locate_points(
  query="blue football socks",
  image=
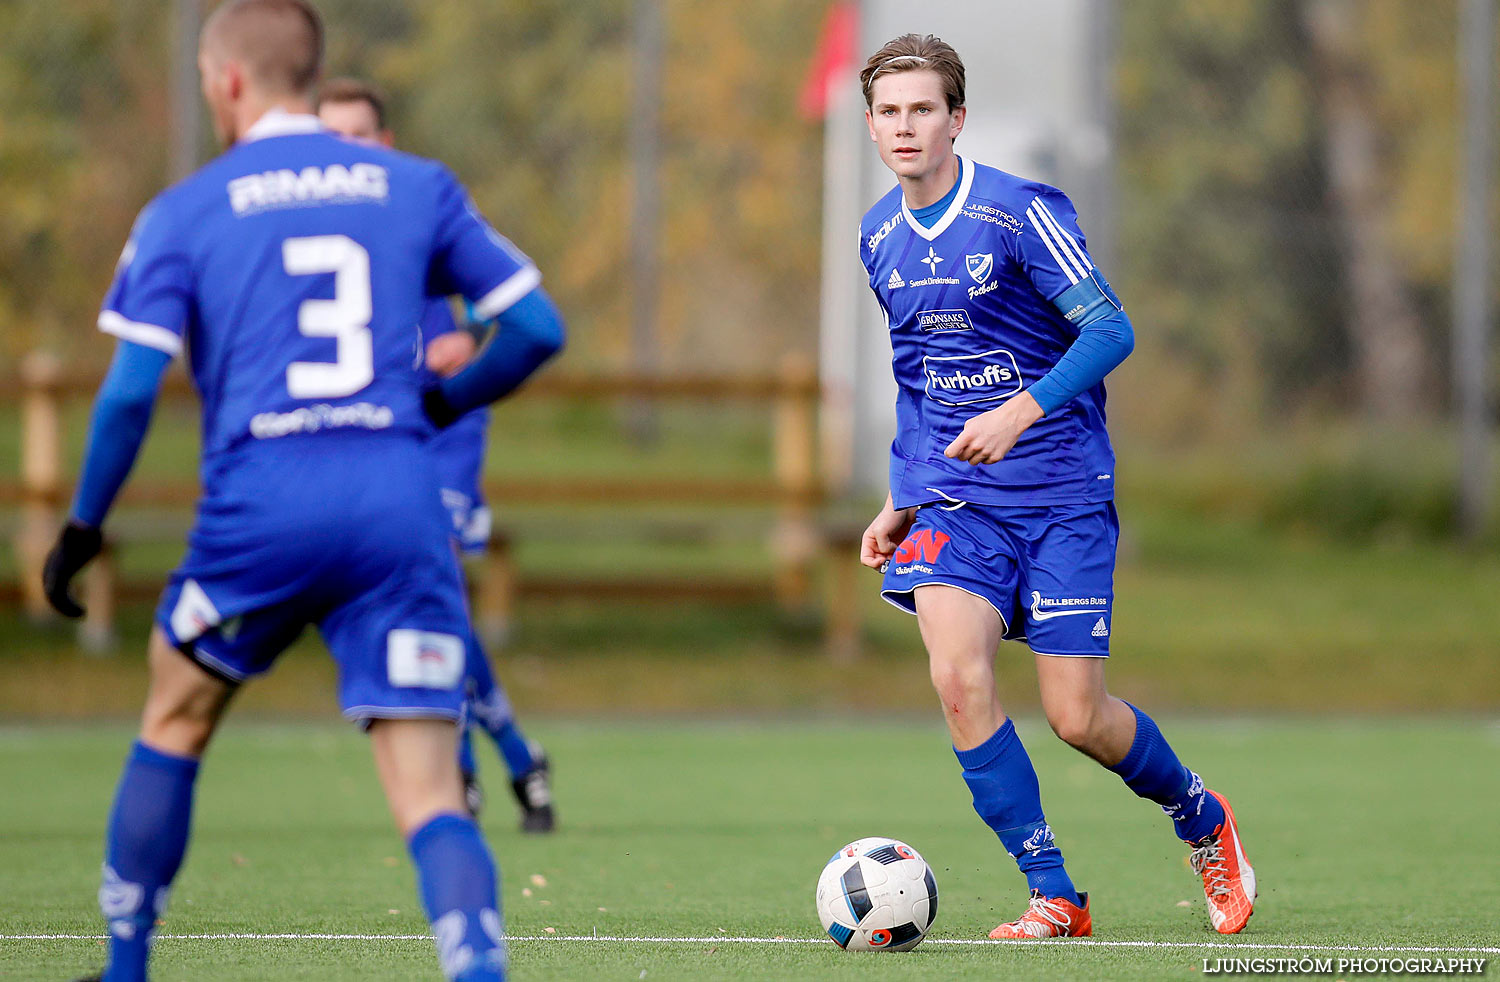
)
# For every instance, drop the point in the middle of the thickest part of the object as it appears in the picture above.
(146, 840)
(456, 877)
(489, 708)
(518, 751)
(1008, 798)
(1151, 769)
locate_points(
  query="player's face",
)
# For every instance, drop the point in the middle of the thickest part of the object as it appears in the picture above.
(911, 124)
(354, 119)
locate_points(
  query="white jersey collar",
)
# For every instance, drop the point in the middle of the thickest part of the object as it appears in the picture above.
(965, 181)
(279, 122)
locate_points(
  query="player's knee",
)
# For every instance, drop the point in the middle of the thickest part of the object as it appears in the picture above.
(1076, 724)
(181, 722)
(960, 681)
(184, 703)
(185, 734)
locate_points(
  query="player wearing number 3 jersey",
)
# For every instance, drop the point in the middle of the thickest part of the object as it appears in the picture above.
(291, 273)
(1000, 523)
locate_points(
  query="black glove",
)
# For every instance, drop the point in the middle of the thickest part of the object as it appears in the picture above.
(76, 545)
(436, 408)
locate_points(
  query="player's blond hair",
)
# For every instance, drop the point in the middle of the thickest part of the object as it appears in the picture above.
(913, 53)
(279, 42)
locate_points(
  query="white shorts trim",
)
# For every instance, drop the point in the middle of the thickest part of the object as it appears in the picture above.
(216, 664)
(886, 596)
(363, 716)
(401, 712)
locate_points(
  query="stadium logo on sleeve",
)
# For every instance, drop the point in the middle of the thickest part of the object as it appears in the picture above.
(964, 380)
(880, 233)
(944, 321)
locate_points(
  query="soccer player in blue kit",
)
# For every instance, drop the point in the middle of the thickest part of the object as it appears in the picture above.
(292, 271)
(357, 110)
(1000, 524)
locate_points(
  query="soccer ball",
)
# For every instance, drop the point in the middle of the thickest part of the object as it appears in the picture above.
(877, 895)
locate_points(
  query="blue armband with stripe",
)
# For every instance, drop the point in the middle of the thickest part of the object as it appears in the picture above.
(1105, 339)
(1088, 300)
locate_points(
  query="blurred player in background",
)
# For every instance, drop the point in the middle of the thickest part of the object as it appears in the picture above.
(1000, 524)
(293, 270)
(357, 110)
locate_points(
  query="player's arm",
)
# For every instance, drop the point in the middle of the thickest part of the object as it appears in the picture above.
(889, 527)
(450, 350)
(471, 259)
(121, 416)
(529, 332)
(885, 533)
(446, 349)
(475, 326)
(1052, 252)
(147, 309)
(1105, 339)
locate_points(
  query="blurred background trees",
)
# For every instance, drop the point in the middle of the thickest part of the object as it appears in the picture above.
(1285, 168)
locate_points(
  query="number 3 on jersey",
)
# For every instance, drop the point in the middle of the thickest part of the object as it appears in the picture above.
(345, 318)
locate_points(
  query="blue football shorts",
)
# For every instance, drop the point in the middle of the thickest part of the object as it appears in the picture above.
(342, 531)
(1047, 571)
(458, 454)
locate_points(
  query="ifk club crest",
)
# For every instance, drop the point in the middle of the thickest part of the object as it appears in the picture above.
(980, 266)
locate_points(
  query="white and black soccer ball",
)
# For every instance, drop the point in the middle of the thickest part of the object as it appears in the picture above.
(877, 895)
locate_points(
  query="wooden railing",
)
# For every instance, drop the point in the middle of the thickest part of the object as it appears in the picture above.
(800, 539)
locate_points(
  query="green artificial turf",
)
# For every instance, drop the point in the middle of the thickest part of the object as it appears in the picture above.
(1365, 833)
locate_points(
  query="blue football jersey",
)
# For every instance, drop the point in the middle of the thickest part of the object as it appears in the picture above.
(294, 270)
(969, 304)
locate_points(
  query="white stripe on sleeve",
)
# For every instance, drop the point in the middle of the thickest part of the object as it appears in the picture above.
(504, 296)
(1041, 230)
(1069, 244)
(150, 335)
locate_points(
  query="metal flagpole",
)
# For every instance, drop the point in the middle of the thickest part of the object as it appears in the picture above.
(186, 116)
(645, 208)
(1472, 266)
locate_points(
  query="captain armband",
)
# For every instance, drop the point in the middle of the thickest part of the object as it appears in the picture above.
(1088, 300)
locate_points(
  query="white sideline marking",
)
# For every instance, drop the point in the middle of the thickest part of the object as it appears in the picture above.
(734, 939)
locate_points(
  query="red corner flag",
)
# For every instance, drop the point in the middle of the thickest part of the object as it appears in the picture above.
(834, 56)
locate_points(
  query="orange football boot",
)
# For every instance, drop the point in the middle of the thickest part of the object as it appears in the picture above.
(1228, 880)
(1049, 917)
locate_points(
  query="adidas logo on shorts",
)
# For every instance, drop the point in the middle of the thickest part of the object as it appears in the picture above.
(1100, 629)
